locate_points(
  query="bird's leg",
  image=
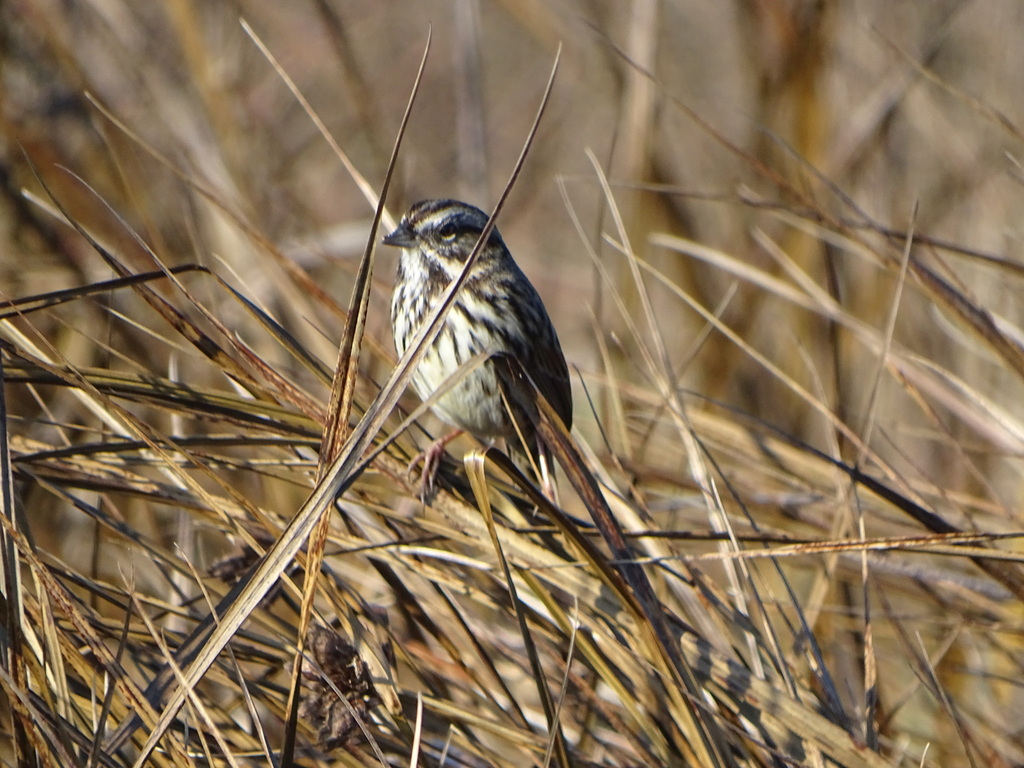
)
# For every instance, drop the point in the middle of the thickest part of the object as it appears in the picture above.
(431, 459)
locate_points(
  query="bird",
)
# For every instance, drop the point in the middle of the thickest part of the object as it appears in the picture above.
(497, 313)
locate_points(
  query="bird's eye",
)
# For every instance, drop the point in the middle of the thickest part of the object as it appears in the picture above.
(447, 232)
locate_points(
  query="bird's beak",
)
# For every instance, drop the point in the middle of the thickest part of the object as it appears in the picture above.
(403, 237)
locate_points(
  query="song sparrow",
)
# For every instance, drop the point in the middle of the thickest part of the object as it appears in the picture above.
(497, 312)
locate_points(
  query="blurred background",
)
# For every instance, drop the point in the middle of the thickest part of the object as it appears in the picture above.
(765, 164)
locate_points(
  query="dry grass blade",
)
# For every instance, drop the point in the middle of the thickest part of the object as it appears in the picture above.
(792, 536)
(12, 642)
(474, 463)
(780, 716)
(210, 195)
(336, 423)
(364, 186)
(976, 317)
(199, 651)
(246, 367)
(140, 707)
(702, 733)
(343, 388)
(1011, 577)
(195, 702)
(870, 662)
(41, 739)
(28, 304)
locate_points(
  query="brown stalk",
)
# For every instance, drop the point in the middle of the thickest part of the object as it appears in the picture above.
(336, 425)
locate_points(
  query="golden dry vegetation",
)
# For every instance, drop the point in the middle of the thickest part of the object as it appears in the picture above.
(782, 244)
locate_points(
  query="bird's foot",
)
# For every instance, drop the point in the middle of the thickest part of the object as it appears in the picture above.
(431, 459)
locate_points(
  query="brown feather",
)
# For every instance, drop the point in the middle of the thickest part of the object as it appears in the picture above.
(497, 312)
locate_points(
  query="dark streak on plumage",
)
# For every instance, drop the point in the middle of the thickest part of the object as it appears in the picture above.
(497, 312)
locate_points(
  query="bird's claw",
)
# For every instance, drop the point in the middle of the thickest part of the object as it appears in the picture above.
(431, 459)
